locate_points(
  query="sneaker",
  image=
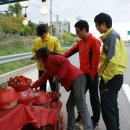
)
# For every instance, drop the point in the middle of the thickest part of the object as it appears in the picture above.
(77, 124)
(117, 129)
(95, 125)
(78, 119)
(81, 127)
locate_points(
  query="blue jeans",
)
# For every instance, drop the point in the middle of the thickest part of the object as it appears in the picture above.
(77, 98)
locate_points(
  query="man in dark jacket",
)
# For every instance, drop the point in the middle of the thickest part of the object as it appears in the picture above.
(113, 63)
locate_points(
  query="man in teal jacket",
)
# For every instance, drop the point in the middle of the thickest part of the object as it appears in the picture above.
(113, 63)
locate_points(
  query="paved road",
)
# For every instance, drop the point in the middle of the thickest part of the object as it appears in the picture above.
(127, 73)
(124, 105)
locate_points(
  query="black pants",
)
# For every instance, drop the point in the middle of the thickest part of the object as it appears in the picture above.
(94, 97)
(109, 104)
(52, 83)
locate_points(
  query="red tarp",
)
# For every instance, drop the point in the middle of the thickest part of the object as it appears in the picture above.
(17, 117)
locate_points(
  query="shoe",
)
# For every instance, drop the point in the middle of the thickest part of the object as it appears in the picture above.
(117, 129)
(78, 119)
(95, 125)
(77, 125)
(81, 127)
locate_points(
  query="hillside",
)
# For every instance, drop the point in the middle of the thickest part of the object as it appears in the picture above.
(14, 45)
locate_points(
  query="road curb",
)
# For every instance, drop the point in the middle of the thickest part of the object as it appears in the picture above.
(6, 76)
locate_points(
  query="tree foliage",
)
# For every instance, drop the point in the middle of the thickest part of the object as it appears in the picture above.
(25, 31)
(12, 22)
(68, 38)
(15, 9)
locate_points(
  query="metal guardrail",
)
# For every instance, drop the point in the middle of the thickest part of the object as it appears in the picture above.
(10, 58)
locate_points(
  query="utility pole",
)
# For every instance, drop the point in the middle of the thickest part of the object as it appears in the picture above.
(51, 17)
(57, 18)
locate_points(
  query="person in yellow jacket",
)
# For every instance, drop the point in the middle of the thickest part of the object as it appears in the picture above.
(52, 43)
(113, 63)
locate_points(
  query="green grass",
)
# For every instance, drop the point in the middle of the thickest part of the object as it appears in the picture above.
(7, 67)
(16, 45)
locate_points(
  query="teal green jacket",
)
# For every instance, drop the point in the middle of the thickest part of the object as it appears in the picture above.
(113, 58)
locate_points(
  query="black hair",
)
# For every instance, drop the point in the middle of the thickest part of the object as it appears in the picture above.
(103, 18)
(44, 52)
(42, 28)
(82, 24)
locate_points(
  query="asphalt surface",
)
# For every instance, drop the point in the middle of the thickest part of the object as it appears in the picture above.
(124, 105)
(127, 73)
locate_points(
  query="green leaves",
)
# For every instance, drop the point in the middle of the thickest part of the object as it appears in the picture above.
(68, 38)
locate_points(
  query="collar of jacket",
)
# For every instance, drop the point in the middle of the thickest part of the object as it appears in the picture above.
(47, 37)
(105, 35)
(88, 37)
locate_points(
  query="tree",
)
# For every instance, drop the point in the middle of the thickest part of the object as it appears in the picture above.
(15, 9)
(68, 38)
(11, 24)
(33, 27)
(25, 31)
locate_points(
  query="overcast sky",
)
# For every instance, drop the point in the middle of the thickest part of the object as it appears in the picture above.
(69, 10)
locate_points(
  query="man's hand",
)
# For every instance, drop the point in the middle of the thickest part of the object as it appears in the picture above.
(103, 87)
(105, 81)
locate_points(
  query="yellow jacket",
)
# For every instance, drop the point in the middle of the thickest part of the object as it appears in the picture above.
(113, 59)
(51, 42)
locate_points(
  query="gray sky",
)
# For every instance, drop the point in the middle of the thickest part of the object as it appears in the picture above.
(85, 9)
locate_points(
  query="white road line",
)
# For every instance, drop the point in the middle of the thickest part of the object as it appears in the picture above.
(126, 89)
(48, 86)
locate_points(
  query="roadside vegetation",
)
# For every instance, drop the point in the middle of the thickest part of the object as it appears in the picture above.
(16, 38)
(10, 46)
(4, 68)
